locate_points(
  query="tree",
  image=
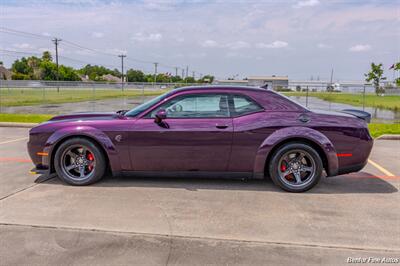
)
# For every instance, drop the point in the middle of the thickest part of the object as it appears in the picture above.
(47, 56)
(397, 68)
(68, 73)
(206, 79)
(376, 75)
(21, 66)
(176, 79)
(190, 80)
(49, 71)
(95, 72)
(133, 75)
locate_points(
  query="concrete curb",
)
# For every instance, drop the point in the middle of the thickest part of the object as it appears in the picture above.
(388, 137)
(17, 124)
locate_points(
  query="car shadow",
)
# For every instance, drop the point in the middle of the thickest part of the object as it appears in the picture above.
(360, 182)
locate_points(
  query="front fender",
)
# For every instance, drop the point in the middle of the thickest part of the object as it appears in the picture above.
(86, 131)
(286, 134)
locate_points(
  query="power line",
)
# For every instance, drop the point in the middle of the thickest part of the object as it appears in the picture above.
(68, 43)
(75, 45)
(22, 33)
(60, 56)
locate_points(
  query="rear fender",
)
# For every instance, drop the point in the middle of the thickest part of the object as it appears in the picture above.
(85, 131)
(285, 135)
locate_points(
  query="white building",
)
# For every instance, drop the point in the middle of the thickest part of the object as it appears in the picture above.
(273, 82)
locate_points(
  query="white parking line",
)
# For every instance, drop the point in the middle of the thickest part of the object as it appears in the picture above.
(380, 168)
(13, 140)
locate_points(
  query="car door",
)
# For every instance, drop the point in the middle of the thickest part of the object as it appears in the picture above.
(195, 136)
(250, 130)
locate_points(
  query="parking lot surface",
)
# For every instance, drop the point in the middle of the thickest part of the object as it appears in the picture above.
(131, 220)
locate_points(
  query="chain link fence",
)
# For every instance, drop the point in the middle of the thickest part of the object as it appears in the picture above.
(52, 97)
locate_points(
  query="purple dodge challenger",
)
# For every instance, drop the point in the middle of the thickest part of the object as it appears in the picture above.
(216, 131)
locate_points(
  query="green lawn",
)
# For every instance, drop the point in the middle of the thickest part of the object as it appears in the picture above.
(372, 100)
(24, 97)
(24, 118)
(376, 130)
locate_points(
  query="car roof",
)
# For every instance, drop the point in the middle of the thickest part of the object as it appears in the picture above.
(224, 87)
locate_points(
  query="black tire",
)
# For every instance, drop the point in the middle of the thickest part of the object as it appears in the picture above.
(309, 156)
(93, 174)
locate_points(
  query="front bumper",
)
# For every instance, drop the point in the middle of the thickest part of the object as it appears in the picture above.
(40, 171)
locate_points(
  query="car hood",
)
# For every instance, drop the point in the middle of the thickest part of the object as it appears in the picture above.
(86, 116)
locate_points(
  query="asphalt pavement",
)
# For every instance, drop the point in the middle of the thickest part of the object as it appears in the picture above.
(146, 221)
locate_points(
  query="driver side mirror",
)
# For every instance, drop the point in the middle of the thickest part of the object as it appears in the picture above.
(161, 115)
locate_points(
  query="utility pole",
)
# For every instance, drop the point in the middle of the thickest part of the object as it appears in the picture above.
(176, 71)
(183, 73)
(122, 56)
(155, 72)
(193, 74)
(187, 71)
(331, 76)
(56, 41)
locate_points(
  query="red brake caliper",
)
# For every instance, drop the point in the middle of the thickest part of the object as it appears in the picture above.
(90, 157)
(283, 167)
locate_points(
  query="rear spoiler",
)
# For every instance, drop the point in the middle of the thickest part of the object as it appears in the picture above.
(358, 113)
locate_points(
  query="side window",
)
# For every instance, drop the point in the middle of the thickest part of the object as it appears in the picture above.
(196, 106)
(243, 105)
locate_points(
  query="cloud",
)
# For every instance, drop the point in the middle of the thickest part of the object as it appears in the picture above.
(23, 46)
(324, 46)
(306, 3)
(210, 44)
(232, 45)
(142, 37)
(116, 51)
(212, 27)
(273, 45)
(97, 34)
(360, 48)
(237, 45)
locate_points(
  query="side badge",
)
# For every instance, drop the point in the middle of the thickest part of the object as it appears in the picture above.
(118, 138)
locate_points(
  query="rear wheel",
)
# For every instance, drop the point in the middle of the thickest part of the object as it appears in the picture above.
(79, 161)
(295, 167)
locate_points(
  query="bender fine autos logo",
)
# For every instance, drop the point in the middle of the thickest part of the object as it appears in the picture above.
(381, 260)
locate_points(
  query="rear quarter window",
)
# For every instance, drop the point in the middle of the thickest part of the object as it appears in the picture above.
(243, 105)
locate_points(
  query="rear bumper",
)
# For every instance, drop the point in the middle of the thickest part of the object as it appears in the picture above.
(351, 168)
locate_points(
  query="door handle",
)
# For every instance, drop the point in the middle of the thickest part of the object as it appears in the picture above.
(221, 126)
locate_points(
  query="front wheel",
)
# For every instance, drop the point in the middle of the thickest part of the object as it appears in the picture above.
(295, 167)
(78, 161)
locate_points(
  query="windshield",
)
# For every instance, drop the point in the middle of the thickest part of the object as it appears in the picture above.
(144, 106)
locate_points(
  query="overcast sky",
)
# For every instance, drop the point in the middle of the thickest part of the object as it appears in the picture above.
(299, 38)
